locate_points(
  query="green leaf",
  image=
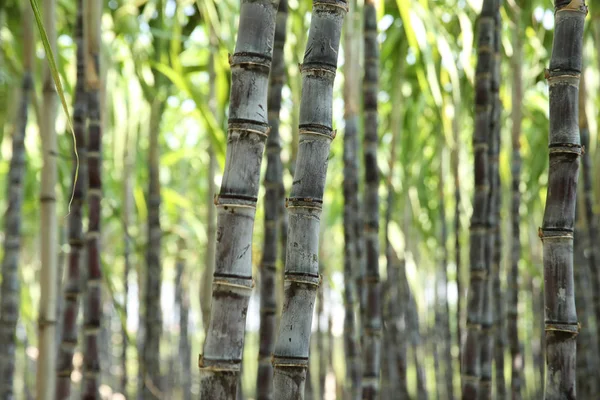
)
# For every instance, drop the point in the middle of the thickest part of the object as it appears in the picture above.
(59, 88)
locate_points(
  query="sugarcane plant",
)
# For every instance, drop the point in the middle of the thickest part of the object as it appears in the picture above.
(496, 230)
(93, 296)
(588, 206)
(471, 368)
(273, 206)
(46, 365)
(72, 289)
(493, 149)
(290, 357)
(182, 299)
(236, 203)
(10, 301)
(351, 342)
(515, 241)
(564, 144)
(373, 324)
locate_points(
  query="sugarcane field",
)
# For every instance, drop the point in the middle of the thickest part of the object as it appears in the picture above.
(299, 200)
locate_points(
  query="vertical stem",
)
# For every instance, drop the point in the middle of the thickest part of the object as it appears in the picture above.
(588, 197)
(236, 204)
(182, 299)
(10, 302)
(373, 324)
(471, 369)
(589, 280)
(153, 320)
(443, 308)
(517, 357)
(49, 225)
(492, 269)
(72, 290)
(351, 342)
(93, 308)
(457, 231)
(561, 324)
(496, 229)
(290, 358)
(128, 162)
(274, 205)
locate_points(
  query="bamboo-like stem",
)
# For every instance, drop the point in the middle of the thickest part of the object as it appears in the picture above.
(128, 164)
(10, 302)
(561, 324)
(412, 317)
(45, 375)
(493, 140)
(457, 231)
(498, 317)
(182, 299)
(373, 324)
(351, 342)
(586, 343)
(93, 298)
(290, 358)
(274, 205)
(236, 203)
(471, 370)
(444, 336)
(396, 277)
(587, 284)
(588, 201)
(517, 358)
(72, 290)
(153, 315)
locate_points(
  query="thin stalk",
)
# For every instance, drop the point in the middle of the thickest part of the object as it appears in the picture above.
(274, 205)
(457, 232)
(561, 324)
(350, 187)
(588, 285)
(412, 316)
(93, 300)
(290, 358)
(488, 312)
(128, 162)
(498, 316)
(517, 357)
(182, 299)
(236, 204)
(396, 298)
(588, 198)
(351, 342)
(153, 320)
(10, 302)
(471, 368)
(373, 324)
(45, 375)
(444, 342)
(586, 349)
(72, 289)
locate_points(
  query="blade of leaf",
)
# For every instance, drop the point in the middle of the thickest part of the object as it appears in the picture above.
(59, 88)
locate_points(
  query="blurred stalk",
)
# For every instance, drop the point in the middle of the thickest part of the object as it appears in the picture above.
(76, 237)
(45, 375)
(10, 291)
